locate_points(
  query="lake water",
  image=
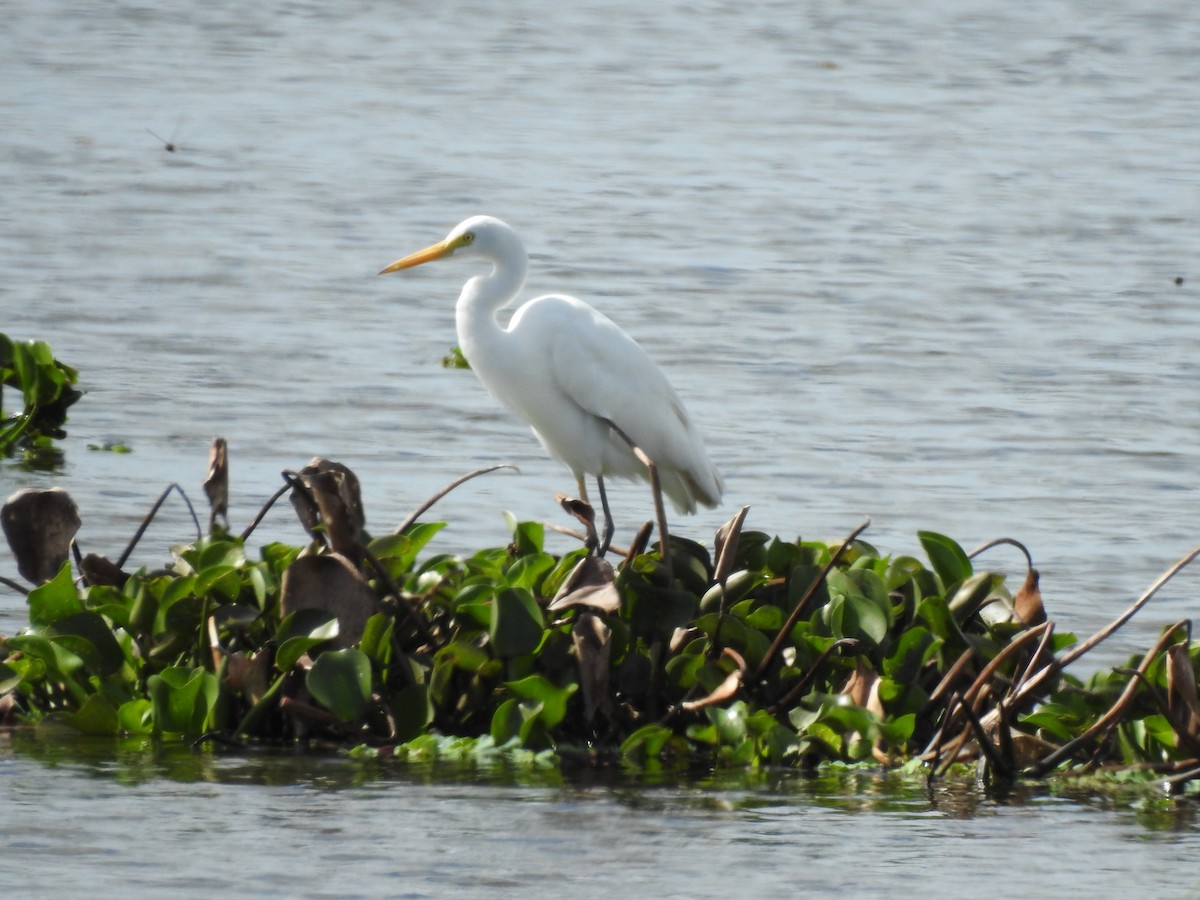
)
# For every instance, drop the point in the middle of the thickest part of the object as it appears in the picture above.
(932, 263)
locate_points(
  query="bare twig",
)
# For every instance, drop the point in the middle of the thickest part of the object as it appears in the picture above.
(20, 589)
(1036, 662)
(801, 687)
(1034, 682)
(1075, 652)
(971, 699)
(1110, 718)
(952, 674)
(580, 536)
(783, 633)
(1001, 766)
(262, 513)
(424, 507)
(150, 518)
(996, 543)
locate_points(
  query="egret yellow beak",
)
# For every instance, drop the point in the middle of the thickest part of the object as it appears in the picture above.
(437, 251)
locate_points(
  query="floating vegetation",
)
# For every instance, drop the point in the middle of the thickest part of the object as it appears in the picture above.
(46, 388)
(757, 652)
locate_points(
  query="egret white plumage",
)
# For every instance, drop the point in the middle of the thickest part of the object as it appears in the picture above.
(587, 388)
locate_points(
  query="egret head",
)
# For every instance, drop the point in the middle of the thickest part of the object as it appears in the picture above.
(480, 235)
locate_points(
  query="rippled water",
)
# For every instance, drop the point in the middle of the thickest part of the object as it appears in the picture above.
(916, 261)
(288, 826)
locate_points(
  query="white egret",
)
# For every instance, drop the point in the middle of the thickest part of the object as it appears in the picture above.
(586, 387)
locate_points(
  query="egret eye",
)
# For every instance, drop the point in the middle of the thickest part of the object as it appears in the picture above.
(467, 238)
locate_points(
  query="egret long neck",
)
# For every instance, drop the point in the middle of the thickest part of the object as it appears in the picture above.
(481, 298)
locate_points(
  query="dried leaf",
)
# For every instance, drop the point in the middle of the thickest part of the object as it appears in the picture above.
(334, 490)
(725, 544)
(216, 482)
(862, 685)
(592, 640)
(1183, 699)
(583, 511)
(40, 526)
(580, 509)
(727, 689)
(247, 673)
(591, 583)
(641, 540)
(329, 582)
(1027, 605)
(1027, 749)
(100, 570)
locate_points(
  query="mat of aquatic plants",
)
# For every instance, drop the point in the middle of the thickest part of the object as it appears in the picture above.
(747, 650)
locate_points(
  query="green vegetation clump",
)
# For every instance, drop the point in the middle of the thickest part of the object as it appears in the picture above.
(760, 651)
(46, 390)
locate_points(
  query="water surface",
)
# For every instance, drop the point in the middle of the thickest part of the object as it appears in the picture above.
(290, 826)
(912, 261)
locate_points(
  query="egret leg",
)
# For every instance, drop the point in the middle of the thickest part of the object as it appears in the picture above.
(664, 538)
(582, 485)
(609, 527)
(656, 490)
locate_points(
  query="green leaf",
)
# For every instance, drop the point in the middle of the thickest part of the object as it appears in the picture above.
(89, 637)
(225, 581)
(799, 583)
(54, 600)
(1049, 719)
(527, 571)
(647, 743)
(259, 578)
(143, 611)
(508, 721)
(300, 632)
(219, 553)
(552, 698)
(730, 722)
(61, 663)
(96, 716)
(136, 716)
(411, 711)
(867, 610)
(401, 550)
(896, 732)
(909, 654)
(852, 614)
(528, 537)
(182, 699)
(935, 613)
(517, 624)
(110, 602)
(782, 557)
(901, 571)
(463, 656)
(340, 680)
(377, 639)
(657, 611)
(948, 559)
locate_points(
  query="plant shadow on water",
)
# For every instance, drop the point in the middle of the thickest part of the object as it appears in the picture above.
(137, 762)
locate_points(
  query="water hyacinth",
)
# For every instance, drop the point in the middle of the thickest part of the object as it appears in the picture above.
(760, 651)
